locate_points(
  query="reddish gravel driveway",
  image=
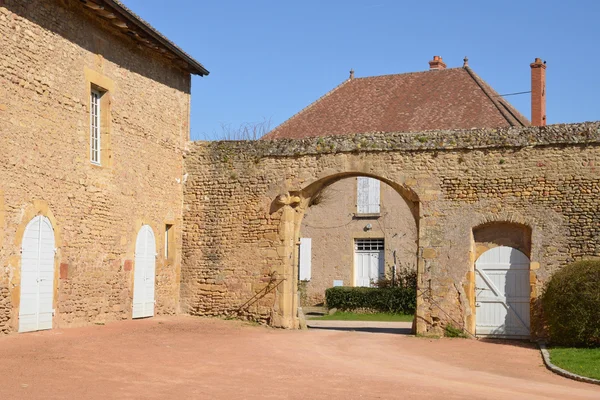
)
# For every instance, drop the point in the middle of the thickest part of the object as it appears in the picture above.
(191, 358)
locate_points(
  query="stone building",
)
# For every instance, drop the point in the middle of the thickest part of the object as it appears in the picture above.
(94, 121)
(363, 230)
(108, 212)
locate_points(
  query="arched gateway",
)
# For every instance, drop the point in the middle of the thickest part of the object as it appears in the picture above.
(293, 206)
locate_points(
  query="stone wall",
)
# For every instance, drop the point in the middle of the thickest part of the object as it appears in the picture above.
(245, 202)
(51, 53)
(333, 226)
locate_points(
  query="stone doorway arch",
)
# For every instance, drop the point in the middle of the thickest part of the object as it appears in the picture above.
(293, 206)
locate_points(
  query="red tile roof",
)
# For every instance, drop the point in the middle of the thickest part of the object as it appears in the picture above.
(454, 98)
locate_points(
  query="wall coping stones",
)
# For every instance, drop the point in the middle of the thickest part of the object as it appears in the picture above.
(585, 133)
(560, 371)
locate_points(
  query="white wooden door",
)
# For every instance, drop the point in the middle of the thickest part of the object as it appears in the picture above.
(37, 276)
(368, 261)
(144, 273)
(502, 293)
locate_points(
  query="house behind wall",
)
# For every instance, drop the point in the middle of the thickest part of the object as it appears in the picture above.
(52, 54)
(440, 98)
(334, 226)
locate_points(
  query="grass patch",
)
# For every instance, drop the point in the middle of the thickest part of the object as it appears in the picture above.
(580, 361)
(350, 316)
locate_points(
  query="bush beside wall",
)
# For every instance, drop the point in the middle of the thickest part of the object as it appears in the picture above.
(571, 305)
(398, 300)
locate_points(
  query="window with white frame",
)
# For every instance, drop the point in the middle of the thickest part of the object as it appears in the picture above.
(369, 244)
(95, 96)
(368, 195)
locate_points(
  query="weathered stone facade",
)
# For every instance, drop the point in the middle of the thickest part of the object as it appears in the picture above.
(242, 207)
(534, 187)
(333, 225)
(51, 53)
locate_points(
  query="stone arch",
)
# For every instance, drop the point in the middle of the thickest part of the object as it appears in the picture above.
(501, 233)
(293, 205)
(35, 208)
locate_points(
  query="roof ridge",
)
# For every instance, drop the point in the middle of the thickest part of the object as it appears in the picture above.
(512, 116)
(410, 73)
(306, 108)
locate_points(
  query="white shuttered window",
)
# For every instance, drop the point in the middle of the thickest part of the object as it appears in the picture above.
(368, 190)
(305, 259)
(95, 127)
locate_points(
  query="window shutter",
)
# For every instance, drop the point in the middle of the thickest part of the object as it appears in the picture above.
(374, 190)
(362, 195)
(305, 259)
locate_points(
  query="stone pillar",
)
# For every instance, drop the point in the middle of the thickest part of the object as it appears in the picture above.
(285, 315)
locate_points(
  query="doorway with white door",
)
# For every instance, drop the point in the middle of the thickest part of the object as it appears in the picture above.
(144, 273)
(36, 309)
(369, 261)
(502, 294)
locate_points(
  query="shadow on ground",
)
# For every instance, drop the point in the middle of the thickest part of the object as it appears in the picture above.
(396, 331)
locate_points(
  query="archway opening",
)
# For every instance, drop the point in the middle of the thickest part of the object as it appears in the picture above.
(354, 230)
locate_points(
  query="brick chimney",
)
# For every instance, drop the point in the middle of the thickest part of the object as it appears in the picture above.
(538, 93)
(436, 63)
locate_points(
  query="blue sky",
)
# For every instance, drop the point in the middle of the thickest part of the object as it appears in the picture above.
(268, 59)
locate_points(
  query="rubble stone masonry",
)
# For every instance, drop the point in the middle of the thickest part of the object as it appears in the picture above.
(237, 207)
(244, 203)
(51, 54)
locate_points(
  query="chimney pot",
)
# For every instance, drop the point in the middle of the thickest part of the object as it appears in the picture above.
(352, 74)
(538, 92)
(437, 63)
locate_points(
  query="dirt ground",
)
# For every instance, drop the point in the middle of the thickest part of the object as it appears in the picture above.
(194, 358)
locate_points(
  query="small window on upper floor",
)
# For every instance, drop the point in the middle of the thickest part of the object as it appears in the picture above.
(95, 126)
(367, 196)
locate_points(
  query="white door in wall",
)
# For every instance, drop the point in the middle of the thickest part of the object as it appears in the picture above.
(37, 276)
(144, 273)
(502, 293)
(368, 261)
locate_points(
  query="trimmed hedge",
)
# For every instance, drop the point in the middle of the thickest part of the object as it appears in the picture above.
(571, 305)
(397, 300)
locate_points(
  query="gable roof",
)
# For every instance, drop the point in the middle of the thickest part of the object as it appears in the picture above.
(454, 98)
(134, 26)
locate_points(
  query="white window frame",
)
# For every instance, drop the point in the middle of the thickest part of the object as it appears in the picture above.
(369, 244)
(368, 203)
(95, 129)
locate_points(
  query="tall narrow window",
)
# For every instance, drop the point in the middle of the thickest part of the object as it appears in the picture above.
(367, 195)
(95, 126)
(168, 240)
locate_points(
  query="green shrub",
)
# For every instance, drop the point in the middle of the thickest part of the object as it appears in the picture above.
(571, 305)
(398, 300)
(453, 332)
